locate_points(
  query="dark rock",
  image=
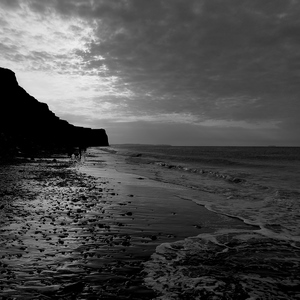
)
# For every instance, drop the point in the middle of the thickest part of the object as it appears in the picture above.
(136, 155)
(198, 226)
(27, 126)
(237, 180)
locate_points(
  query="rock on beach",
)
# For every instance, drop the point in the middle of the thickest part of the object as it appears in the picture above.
(60, 238)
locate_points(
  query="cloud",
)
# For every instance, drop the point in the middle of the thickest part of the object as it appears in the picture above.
(220, 62)
(11, 4)
(48, 39)
(187, 59)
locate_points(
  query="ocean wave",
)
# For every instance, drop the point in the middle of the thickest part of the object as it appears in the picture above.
(262, 263)
(275, 217)
(257, 196)
(229, 264)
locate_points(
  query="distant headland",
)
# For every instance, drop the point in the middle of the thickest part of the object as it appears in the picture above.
(28, 127)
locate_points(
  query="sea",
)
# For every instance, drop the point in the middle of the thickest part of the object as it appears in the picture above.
(258, 185)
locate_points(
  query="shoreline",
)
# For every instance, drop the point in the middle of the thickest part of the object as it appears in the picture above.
(105, 228)
(213, 262)
(77, 234)
(249, 191)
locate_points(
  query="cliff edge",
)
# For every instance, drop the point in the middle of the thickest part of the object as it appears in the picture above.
(27, 126)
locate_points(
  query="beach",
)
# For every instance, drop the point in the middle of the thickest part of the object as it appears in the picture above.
(113, 226)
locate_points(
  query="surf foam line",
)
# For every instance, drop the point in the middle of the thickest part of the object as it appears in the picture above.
(262, 229)
(271, 221)
(150, 158)
(227, 264)
(274, 227)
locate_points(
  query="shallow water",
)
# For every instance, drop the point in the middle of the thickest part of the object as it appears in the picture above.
(225, 265)
(257, 185)
(84, 231)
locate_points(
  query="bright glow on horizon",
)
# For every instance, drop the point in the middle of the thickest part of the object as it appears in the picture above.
(51, 69)
(145, 65)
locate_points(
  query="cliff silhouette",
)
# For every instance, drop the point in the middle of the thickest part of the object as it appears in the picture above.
(27, 126)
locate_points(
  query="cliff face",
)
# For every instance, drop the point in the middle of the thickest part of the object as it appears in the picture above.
(29, 126)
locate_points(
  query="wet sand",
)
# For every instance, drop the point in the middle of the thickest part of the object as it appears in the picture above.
(82, 230)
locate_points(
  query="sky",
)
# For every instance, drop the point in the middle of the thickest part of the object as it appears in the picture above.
(178, 72)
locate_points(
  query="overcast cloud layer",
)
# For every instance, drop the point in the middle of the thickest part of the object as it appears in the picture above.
(201, 72)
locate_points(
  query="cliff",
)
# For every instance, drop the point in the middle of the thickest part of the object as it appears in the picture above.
(28, 126)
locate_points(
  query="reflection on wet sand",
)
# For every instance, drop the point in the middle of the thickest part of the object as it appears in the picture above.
(67, 235)
(60, 237)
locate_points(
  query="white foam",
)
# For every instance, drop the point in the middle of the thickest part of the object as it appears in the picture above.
(231, 264)
(274, 220)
